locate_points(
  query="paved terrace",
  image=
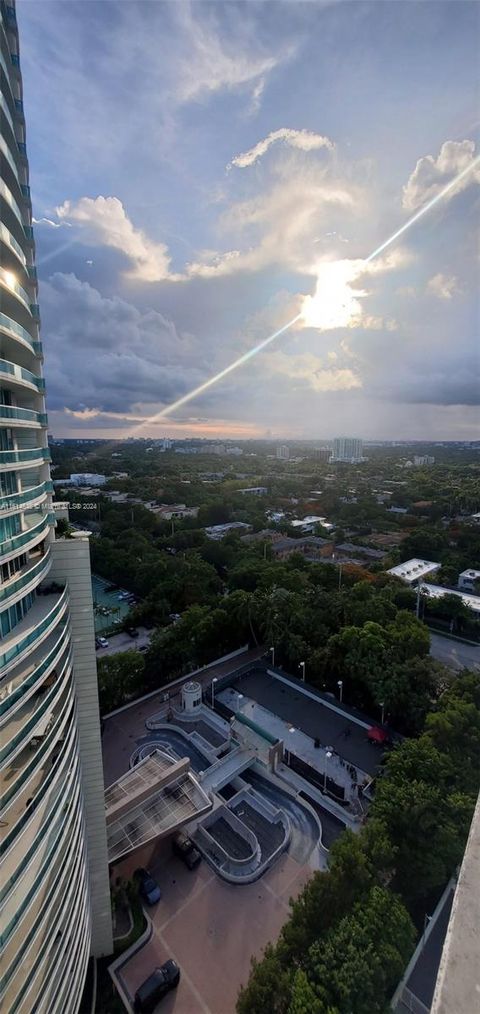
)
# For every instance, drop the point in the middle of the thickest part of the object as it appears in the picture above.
(319, 719)
(124, 730)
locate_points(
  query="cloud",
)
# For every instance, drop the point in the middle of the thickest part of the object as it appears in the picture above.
(212, 60)
(309, 369)
(443, 287)
(106, 353)
(430, 174)
(103, 221)
(304, 140)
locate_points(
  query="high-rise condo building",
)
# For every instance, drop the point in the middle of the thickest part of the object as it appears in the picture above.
(347, 449)
(54, 886)
(283, 452)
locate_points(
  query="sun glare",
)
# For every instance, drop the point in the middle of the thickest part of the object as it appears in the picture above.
(334, 302)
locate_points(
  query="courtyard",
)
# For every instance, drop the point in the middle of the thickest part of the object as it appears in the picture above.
(212, 929)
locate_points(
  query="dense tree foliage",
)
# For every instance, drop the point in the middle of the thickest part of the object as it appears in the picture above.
(351, 930)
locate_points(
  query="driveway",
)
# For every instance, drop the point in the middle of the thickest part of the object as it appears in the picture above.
(454, 654)
(123, 642)
(212, 929)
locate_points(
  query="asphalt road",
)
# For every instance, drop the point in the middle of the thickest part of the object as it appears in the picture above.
(123, 642)
(454, 654)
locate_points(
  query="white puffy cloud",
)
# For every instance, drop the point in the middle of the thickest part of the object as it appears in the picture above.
(431, 174)
(304, 140)
(103, 221)
(443, 286)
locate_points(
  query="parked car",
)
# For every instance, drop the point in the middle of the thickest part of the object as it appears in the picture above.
(131, 631)
(144, 647)
(147, 886)
(158, 984)
(184, 848)
(101, 642)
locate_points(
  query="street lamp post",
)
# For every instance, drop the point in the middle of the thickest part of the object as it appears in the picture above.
(215, 680)
(339, 576)
(327, 758)
(382, 705)
(272, 651)
(340, 689)
(302, 667)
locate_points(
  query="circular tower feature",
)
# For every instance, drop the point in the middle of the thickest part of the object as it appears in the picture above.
(191, 696)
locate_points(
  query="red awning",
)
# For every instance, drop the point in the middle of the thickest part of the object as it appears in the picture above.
(377, 735)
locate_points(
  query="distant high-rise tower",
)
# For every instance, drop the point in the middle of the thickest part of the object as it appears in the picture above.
(54, 886)
(283, 452)
(348, 449)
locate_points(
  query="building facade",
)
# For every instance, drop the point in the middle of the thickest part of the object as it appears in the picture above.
(348, 449)
(54, 886)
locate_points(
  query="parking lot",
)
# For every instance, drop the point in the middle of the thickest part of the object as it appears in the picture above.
(212, 929)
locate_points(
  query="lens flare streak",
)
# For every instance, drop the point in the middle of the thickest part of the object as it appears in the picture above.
(165, 412)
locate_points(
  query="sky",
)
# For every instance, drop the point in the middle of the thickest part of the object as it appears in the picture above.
(203, 173)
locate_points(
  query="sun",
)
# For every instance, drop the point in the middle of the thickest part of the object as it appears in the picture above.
(334, 302)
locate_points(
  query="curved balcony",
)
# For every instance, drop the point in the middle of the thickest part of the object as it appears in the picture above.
(36, 530)
(19, 375)
(20, 686)
(29, 578)
(36, 777)
(7, 149)
(7, 237)
(29, 458)
(31, 722)
(7, 195)
(19, 333)
(10, 414)
(14, 502)
(9, 282)
(38, 623)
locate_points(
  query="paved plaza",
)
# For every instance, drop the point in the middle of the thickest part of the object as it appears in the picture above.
(212, 929)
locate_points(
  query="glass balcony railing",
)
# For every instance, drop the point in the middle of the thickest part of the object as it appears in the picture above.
(7, 195)
(14, 57)
(19, 106)
(12, 370)
(35, 677)
(35, 573)
(61, 735)
(24, 538)
(5, 109)
(9, 282)
(30, 454)
(8, 238)
(35, 716)
(44, 624)
(10, 325)
(25, 191)
(23, 415)
(12, 501)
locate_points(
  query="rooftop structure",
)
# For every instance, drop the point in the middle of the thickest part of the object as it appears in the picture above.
(436, 591)
(155, 798)
(468, 579)
(54, 871)
(255, 490)
(413, 570)
(218, 531)
(349, 548)
(88, 479)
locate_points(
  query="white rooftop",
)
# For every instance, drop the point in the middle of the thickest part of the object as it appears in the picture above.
(436, 591)
(472, 574)
(412, 570)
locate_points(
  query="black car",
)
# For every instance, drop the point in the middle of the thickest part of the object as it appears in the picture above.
(184, 848)
(131, 631)
(158, 984)
(147, 887)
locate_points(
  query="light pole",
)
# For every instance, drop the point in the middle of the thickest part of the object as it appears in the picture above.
(340, 576)
(340, 689)
(272, 651)
(215, 680)
(302, 667)
(382, 705)
(327, 758)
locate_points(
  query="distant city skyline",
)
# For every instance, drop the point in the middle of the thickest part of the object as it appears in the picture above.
(184, 213)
